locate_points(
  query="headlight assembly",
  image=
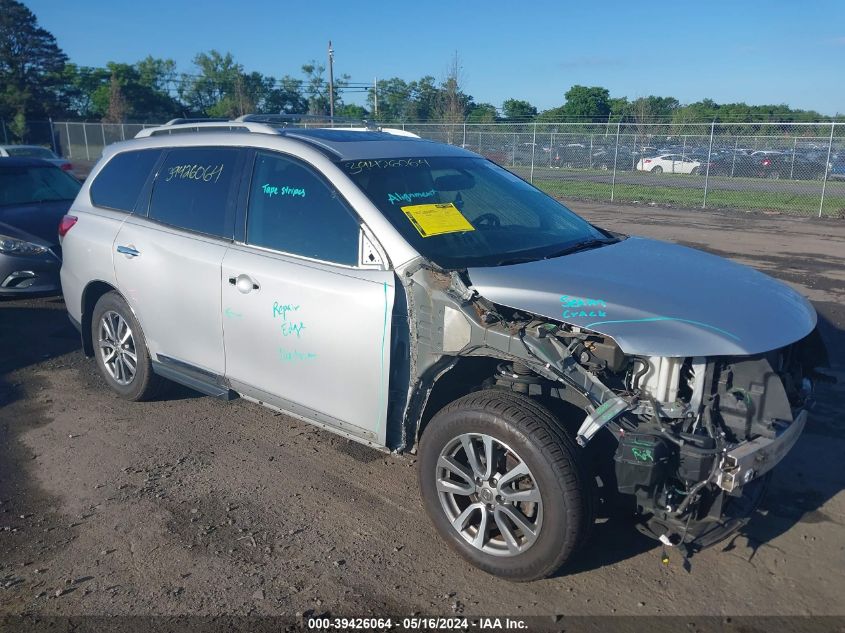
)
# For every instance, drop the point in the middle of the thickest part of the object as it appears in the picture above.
(12, 246)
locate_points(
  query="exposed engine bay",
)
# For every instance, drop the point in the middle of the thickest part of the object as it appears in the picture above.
(686, 443)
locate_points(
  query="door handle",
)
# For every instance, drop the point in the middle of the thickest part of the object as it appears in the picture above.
(244, 283)
(129, 251)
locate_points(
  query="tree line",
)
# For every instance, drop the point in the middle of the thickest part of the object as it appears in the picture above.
(38, 81)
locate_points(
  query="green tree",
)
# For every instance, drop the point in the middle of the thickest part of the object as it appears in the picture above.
(394, 97)
(158, 75)
(482, 113)
(285, 97)
(425, 100)
(351, 111)
(80, 83)
(31, 66)
(587, 103)
(618, 106)
(145, 96)
(316, 89)
(651, 108)
(213, 91)
(518, 110)
(553, 115)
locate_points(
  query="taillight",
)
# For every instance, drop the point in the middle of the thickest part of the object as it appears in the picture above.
(647, 160)
(67, 167)
(767, 162)
(66, 224)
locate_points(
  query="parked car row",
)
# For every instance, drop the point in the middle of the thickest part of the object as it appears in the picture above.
(801, 163)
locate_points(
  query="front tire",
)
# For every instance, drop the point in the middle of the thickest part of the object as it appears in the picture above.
(121, 350)
(504, 485)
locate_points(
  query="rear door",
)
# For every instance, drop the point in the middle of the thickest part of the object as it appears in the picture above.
(670, 163)
(168, 261)
(306, 324)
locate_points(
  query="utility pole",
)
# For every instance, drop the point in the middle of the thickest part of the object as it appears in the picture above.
(375, 96)
(331, 80)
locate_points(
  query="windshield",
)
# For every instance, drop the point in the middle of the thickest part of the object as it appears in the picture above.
(25, 151)
(24, 185)
(465, 211)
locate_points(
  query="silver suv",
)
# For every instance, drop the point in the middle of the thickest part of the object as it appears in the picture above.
(416, 297)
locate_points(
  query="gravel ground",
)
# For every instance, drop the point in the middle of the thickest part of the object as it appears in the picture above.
(197, 506)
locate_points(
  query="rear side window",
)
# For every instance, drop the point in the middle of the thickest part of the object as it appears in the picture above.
(292, 209)
(194, 190)
(119, 183)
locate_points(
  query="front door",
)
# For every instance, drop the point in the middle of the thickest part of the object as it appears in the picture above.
(305, 327)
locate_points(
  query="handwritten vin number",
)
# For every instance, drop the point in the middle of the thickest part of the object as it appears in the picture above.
(205, 173)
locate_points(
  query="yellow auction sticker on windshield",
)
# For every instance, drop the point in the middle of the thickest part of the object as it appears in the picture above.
(437, 219)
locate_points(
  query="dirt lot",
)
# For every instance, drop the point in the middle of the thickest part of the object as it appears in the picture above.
(193, 505)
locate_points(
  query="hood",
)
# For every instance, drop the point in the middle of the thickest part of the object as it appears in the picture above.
(40, 219)
(656, 299)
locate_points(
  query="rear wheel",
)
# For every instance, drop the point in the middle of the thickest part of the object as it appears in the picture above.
(657, 170)
(121, 350)
(504, 485)
(695, 171)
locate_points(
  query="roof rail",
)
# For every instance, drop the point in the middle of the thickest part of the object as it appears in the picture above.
(182, 121)
(265, 124)
(206, 125)
(321, 120)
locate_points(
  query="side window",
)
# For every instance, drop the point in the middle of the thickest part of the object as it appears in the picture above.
(194, 190)
(292, 209)
(119, 183)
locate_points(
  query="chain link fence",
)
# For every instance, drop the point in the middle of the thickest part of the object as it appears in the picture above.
(794, 168)
(777, 167)
(72, 140)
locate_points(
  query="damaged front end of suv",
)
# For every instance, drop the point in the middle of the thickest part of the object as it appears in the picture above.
(541, 365)
(693, 375)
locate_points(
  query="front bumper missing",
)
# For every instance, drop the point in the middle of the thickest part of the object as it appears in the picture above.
(755, 458)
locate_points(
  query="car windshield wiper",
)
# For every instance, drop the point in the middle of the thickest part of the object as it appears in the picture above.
(582, 246)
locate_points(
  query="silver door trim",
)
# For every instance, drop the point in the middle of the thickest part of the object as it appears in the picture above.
(316, 264)
(306, 414)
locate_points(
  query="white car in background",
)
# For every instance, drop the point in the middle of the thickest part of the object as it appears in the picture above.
(669, 163)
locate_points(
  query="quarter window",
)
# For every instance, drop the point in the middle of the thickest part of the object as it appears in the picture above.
(194, 190)
(119, 183)
(292, 209)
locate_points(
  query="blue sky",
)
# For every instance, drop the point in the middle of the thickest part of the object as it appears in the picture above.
(758, 52)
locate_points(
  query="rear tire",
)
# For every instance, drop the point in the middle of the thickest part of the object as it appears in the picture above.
(657, 170)
(121, 350)
(519, 515)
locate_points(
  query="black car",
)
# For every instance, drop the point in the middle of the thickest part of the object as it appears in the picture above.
(624, 159)
(34, 195)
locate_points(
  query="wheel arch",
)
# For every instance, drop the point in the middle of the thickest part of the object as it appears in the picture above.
(476, 373)
(465, 376)
(92, 293)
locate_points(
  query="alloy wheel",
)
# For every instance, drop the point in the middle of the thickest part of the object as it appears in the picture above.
(117, 348)
(489, 494)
